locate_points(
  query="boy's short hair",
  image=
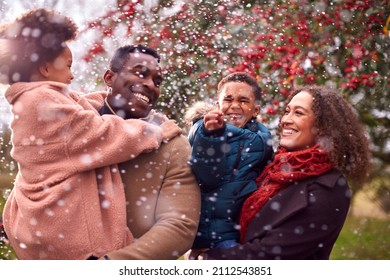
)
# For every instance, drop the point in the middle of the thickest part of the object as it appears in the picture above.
(244, 78)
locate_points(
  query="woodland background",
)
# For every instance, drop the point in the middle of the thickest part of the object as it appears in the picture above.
(343, 44)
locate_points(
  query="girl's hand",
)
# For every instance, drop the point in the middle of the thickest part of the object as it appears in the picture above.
(170, 130)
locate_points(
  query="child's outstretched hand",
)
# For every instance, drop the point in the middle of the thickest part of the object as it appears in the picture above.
(170, 130)
(213, 120)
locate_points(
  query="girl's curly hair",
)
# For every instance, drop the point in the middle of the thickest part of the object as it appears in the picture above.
(341, 133)
(35, 37)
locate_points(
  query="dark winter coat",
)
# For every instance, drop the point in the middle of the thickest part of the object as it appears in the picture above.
(303, 221)
(226, 164)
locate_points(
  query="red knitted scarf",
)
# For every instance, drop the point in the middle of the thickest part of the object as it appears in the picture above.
(286, 168)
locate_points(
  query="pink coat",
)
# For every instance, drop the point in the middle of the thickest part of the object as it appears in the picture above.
(68, 200)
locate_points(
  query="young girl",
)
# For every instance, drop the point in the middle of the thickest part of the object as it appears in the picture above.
(68, 199)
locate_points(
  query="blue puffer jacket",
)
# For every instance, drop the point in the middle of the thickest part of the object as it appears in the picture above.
(226, 165)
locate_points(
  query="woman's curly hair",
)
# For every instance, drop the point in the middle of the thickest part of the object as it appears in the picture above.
(35, 37)
(341, 133)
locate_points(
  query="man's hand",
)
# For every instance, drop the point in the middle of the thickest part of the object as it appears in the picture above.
(213, 120)
(170, 130)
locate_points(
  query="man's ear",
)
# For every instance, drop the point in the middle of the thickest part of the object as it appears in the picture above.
(44, 70)
(108, 75)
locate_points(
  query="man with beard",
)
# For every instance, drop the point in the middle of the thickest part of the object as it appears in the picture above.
(162, 195)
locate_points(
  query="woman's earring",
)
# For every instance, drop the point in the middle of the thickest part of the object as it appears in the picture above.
(109, 90)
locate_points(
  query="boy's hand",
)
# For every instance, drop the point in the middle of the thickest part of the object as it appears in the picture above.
(213, 120)
(170, 130)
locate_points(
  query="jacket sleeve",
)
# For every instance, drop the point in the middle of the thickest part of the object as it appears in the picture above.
(266, 140)
(75, 138)
(301, 233)
(177, 212)
(96, 141)
(95, 99)
(236, 148)
(208, 159)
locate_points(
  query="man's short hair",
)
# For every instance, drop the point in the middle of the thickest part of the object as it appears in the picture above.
(121, 55)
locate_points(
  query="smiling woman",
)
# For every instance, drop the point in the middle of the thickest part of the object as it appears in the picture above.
(297, 123)
(303, 196)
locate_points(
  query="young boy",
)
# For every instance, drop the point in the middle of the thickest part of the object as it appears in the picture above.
(229, 150)
(68, 200)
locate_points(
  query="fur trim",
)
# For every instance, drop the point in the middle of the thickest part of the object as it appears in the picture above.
(197, 111)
